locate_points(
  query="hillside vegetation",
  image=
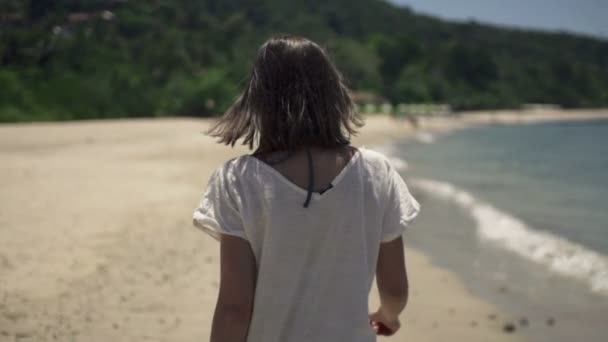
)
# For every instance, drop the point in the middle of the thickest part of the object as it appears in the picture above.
(68, 59)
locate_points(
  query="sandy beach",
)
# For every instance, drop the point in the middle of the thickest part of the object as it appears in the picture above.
(96, 240)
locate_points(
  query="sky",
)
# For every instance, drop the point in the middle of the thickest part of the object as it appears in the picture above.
(581, 16)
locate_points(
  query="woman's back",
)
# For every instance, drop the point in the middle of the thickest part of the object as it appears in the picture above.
(315, 264)
(301, 221)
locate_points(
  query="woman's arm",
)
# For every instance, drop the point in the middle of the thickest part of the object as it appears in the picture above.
(238, 272)
(391, 278)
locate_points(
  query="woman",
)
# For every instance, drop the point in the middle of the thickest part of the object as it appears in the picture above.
(307, 220)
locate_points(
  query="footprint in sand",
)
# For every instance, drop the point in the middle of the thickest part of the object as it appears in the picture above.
(509, 328)
(14, 316)
(22, 334)
(5, 262)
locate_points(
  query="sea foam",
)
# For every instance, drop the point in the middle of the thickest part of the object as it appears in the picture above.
(425, 137)
(506, 231)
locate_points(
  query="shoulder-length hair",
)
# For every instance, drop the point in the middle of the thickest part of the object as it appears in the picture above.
(294, 97)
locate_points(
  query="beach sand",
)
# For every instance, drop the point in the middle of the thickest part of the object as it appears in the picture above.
(96, 240)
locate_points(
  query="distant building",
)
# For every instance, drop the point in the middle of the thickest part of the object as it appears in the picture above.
(12, 18)
(81, 17)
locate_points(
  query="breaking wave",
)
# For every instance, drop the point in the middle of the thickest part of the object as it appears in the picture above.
(558, 254)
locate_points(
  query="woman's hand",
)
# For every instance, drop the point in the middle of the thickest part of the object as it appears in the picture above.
(384, 324)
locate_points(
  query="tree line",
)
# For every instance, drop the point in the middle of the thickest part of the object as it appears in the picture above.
(69, 59)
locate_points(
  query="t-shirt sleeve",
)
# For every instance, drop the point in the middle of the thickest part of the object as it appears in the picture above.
(401, 207)
(218, 211)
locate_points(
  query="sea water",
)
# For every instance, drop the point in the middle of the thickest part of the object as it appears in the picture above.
(521, 212)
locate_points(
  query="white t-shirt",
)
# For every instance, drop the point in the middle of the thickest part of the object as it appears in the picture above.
(315, 265)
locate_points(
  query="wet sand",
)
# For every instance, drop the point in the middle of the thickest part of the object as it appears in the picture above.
(96, 241)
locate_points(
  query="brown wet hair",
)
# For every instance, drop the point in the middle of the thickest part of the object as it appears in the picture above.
(294, 97)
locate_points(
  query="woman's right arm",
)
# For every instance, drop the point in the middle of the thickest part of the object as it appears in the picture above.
(400, 209)
(393, 288)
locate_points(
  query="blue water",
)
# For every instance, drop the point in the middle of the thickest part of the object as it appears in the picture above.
(520, 213)
(554, 176)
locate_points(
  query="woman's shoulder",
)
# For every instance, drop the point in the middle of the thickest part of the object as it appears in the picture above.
(375, 159)
(236, 167)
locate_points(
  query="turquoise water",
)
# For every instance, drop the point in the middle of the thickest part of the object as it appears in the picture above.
(553, 176)
(520, 213)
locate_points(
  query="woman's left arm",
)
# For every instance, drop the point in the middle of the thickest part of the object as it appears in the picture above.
(238, 273)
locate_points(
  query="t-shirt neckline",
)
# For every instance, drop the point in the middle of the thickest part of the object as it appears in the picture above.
(315, 195)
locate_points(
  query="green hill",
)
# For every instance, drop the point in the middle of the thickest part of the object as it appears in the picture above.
(68, 59)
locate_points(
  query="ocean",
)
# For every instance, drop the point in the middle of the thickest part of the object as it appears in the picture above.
(520, 212)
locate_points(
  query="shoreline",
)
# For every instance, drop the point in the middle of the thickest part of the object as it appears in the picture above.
(464, 120)
(97, 241)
